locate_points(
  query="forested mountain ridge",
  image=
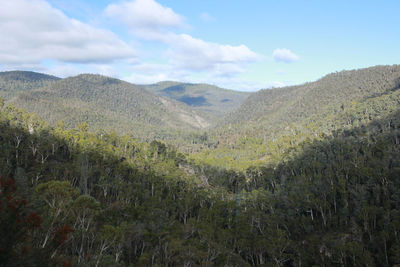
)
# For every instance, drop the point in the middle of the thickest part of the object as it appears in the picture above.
(213, 100)
(204, 104)
(293, 103)
(14, 82)
(270, 123)
(73, 197)
(267, 119)
(107, 103)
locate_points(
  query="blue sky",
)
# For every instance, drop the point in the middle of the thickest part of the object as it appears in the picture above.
(242, 45)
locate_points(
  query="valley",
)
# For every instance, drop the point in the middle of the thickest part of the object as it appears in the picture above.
(199, 133)
(96, 171)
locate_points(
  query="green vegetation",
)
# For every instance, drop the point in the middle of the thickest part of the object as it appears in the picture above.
(272, 123)
(299, 176)
(14, 82)
(110, 104)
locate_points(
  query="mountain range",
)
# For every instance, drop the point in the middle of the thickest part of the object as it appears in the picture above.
(147, 112)
(289, 115)
(102, 172)
(194, 116)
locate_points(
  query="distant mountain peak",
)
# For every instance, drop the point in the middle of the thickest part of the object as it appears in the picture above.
(213, 100)
(26, 76)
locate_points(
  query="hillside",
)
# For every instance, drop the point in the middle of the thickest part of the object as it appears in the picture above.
(110, 104)
(272, 122)
(75, 198)
(14, 82)
(199, 133)
(179, 113)
(213, 100)
(290, 104)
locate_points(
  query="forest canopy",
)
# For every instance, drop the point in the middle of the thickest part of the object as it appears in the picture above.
(296, 176)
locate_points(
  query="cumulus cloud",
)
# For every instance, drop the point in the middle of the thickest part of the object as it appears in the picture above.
(37, 36)
(145, 18)
(150, 20)
(147, 73)
(33, 31)
(284, 55)
(195, 54)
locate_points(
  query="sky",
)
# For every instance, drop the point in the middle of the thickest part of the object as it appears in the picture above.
(235, 44)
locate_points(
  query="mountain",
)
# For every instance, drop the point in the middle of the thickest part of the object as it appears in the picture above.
(166, 110)
(213, 100)
(272, 122)
(14, 82)
(290, 104)
(71, 197)
(110, 104)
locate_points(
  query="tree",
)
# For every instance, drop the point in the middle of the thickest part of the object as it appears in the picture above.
(18, 222)
(56, 197)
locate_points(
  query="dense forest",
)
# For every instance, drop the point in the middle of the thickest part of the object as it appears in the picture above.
(168, 111)
(298, 176)
(274, 122)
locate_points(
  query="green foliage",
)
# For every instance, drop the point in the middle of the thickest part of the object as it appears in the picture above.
(319, 188)
(17, 225)
(56, 193)
(12, 83)
(272, 124)
(110, 104)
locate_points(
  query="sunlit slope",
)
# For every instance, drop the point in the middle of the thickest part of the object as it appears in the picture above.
(14, 82)
(272, 122)
(107, 103)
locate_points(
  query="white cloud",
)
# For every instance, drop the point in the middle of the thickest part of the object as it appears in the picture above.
(36, 36)
(32, 31)
(139, 78)
(146, 73)
(284, 55)
(206, 17)
(145, 18)
(195, 54)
